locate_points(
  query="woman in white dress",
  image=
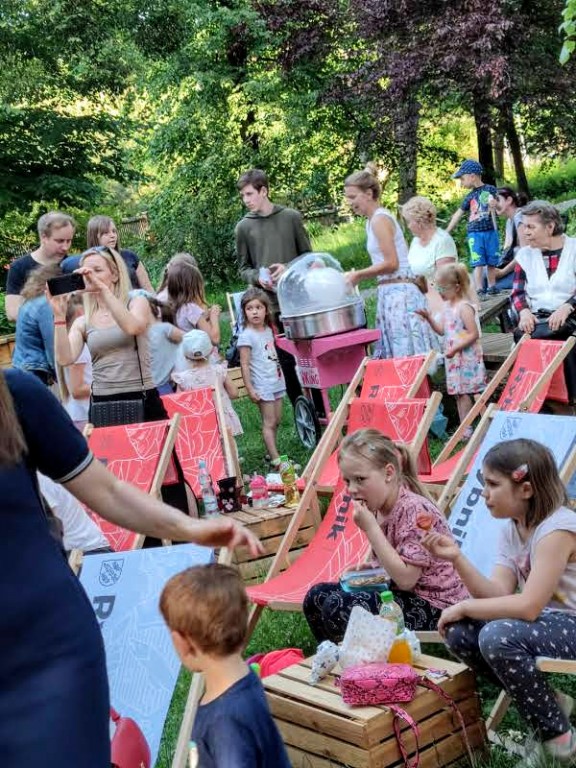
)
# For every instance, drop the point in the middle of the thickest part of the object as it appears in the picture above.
(402, 333)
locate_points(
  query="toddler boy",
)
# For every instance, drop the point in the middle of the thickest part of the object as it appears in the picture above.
(482, 233)
(206, 609)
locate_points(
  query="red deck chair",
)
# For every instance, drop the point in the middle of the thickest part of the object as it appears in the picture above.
(405, 421)
(140, 455)
(385, 379)
(202, 435)
(393, 379)
(337, 545)
(536, 373)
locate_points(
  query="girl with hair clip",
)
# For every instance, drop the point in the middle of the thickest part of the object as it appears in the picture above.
(392, 512)
(186, 294)
(460, 326)
(527, 608)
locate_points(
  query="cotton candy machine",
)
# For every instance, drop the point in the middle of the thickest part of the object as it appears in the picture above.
(325, 330)
(316, 300)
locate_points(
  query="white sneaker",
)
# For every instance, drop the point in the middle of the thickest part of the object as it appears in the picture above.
(549, 753)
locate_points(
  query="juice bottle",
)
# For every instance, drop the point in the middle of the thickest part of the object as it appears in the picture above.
(291, 493)
(401, 651)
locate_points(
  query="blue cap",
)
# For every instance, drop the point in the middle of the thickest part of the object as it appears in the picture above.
(468, 166)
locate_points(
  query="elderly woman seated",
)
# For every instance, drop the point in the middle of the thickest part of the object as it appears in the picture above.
(544, 288)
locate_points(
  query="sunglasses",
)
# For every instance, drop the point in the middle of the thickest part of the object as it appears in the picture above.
(99, 249)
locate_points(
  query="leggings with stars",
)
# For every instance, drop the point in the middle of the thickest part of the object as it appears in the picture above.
(505, 651)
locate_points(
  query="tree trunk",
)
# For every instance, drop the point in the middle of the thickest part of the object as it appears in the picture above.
(482, 120)
(406, 139)
(515, 149)
(498, 141)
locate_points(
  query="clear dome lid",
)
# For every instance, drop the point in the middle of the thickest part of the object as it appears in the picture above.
(314, 282)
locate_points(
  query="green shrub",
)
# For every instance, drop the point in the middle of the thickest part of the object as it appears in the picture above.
(553, 182)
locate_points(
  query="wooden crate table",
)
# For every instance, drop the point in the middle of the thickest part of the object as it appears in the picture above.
(6, 350)
(320, 731)
(269, 525)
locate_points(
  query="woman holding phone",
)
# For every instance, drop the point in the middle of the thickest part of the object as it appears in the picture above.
(114, 329)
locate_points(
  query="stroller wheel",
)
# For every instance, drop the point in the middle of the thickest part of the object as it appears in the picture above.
(306, 422)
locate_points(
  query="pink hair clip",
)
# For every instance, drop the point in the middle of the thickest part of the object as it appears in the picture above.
(520, 473)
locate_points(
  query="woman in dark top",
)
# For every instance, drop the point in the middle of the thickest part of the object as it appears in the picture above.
(54, 708)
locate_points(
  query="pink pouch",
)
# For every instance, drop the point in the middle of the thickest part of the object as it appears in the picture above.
(378, 683)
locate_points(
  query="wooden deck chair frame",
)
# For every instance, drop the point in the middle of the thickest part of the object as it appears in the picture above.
(495, 382)
(159, 474)
(333, 432)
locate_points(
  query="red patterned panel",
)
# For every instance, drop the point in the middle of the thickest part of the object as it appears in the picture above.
(199, 435)
(393, 372)
(337, 545)
(533, 358)
(131, 452)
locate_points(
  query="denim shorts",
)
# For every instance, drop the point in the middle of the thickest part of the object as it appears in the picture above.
(484, 248)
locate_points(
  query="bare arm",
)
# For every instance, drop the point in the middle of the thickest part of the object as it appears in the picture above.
(231, 388)
(78, 387)
(175, 334)
(501, 582)
(550, 560)
(425, 314)
(67, 344)
(143, 279)
(383, 229)
(12, 305)
(245, 355)
(129, 507)
(455, 220)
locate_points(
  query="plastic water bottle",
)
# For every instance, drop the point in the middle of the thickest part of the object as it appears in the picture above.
(288, 476)
(209, 500)
(390, 610)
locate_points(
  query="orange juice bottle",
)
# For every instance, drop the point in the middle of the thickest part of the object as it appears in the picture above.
(401, 651)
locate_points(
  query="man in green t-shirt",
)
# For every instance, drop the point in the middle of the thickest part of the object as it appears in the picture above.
(269, 237)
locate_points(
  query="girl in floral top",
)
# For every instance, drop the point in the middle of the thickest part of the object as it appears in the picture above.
(393, 517)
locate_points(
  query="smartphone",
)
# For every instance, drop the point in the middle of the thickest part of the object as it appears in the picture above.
(66, 284)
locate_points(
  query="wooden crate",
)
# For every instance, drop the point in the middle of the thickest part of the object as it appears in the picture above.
(269, 525)
(7, 344)
(236, 376)
(320, 731)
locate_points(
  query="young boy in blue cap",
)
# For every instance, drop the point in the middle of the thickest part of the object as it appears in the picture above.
(482, 233)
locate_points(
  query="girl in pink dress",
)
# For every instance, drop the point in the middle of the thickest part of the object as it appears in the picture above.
(460, 326)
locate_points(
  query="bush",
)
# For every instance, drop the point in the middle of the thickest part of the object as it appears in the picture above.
(556, 182)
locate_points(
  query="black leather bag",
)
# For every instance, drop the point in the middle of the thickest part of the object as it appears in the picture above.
(113, 413)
